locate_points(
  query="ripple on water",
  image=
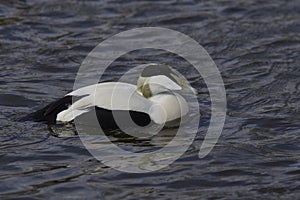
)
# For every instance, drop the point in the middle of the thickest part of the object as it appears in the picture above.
(255, 45)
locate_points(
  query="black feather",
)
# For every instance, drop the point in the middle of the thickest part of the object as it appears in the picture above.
(49, 113)
(106, 118)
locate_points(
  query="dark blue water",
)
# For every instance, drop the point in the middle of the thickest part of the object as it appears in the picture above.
(255, 45)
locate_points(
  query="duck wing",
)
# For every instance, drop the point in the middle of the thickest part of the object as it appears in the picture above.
(112, 96)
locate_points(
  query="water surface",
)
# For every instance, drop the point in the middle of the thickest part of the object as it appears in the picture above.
(255, 45)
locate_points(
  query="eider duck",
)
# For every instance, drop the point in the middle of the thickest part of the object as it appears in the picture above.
(153, 99)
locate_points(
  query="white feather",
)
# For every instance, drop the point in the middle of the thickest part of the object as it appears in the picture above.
(174, 106)
(161, 83)
(69, 115)
(111, 96)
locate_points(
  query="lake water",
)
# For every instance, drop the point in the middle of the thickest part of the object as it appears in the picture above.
(255, 45)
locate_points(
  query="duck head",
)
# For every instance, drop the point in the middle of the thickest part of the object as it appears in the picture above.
(160, 78)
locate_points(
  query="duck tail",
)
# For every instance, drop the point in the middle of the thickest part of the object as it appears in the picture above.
(49, 113)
